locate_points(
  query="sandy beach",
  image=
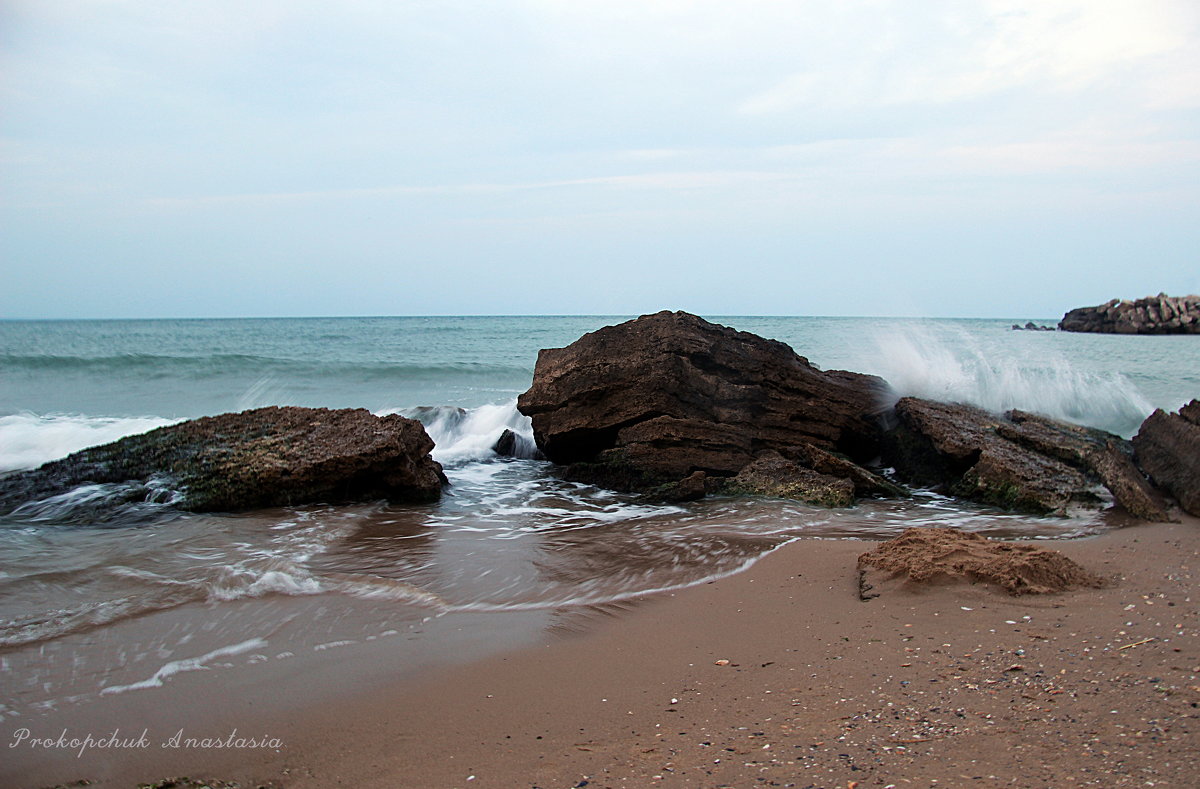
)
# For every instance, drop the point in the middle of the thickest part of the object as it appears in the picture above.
(777, 676)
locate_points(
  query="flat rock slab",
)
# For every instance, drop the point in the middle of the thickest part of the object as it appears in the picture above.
(265, 457)
(1018, 461)
(921, 557)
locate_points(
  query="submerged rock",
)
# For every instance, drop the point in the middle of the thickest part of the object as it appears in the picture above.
(261, 458)
(653, 400)
(511, 444)
(1161, 314)
(693, 487)
(1020, 461)
(771, 474)
(1167, 446)
(923, 556)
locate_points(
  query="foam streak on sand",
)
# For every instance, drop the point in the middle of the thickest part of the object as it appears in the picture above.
(191, 664)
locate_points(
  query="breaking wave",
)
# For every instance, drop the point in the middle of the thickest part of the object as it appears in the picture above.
(227, 364)
(463, 435)
(921, 363)
(28, 440)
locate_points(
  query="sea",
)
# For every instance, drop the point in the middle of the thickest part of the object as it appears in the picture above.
(511, 552)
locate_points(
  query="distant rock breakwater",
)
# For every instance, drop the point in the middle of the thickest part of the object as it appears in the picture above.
(1161, 314)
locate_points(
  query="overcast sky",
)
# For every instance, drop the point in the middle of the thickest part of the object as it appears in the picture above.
(1013, 158)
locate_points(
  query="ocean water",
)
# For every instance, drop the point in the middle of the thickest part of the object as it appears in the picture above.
(510, 550)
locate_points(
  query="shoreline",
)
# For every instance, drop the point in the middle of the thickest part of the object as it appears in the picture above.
(946, 686)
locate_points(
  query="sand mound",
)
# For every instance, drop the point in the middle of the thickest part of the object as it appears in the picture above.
(931, 556)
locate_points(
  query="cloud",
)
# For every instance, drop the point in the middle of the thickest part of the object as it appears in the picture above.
(963, 52)
(232, 132)
(646, 181)
(1065, 153)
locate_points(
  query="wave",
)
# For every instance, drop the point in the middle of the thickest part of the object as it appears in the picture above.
(28, 440)
(224, 364)
(125, 591)
(150, 592)
(463, 435)
(919, 363)
(108, 505)
(126, 361)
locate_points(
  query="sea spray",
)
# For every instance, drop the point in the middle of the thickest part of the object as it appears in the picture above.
(28, 440)
(921, 362)
(462, 435)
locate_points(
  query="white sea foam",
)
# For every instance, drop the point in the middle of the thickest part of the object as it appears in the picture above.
(281, 582)
(28, 440)
(109, 503)
(923, 363)
(461, 435)
(380, 588)
(191, 664)
(292, 579)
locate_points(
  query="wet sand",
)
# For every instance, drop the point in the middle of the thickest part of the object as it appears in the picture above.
(778, 676)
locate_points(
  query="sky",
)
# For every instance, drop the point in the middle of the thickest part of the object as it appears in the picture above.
(962, 158)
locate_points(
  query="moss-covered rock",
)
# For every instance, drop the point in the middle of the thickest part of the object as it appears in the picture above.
(773, 475)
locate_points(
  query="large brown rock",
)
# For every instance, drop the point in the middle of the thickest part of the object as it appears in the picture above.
(653, 400)
(1161, 314)
(1020, 461)
(260, 458)
(1167, 447)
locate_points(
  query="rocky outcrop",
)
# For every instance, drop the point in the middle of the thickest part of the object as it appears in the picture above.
(1161, 314)
(653, 400)
(260, 458)
(677, 407)
(1167, 447)
(1019, 461)
(1031, 326)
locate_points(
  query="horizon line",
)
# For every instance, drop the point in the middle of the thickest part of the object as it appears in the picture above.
(504, 315)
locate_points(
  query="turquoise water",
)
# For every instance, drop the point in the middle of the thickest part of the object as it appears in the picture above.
(171, 369)
(508, 535)
(189, 368)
